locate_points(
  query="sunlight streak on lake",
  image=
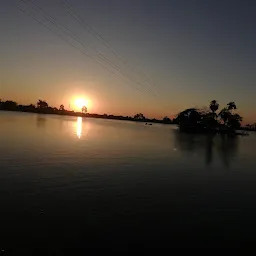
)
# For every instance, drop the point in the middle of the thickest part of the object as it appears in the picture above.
(79, 126)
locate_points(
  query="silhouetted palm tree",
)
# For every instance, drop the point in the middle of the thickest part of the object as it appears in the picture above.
(214, 106)
(232, 121)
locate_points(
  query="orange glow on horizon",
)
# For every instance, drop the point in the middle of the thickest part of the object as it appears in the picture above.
(80, 103)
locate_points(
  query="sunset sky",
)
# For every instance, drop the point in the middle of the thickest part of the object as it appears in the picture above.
(157, 57)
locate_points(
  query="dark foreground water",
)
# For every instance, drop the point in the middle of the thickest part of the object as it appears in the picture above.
(72, 183)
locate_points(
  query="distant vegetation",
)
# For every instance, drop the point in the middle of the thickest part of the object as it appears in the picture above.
(42, 107)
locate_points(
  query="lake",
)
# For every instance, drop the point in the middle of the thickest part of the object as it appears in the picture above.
(68, 182)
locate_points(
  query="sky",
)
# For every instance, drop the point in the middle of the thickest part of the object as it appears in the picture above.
(157, 57)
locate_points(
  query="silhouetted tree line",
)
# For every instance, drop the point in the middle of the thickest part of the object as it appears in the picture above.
(42, 107)
(250, 127)
(196, 120)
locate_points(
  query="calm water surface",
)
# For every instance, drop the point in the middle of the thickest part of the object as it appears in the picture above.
(73, 182)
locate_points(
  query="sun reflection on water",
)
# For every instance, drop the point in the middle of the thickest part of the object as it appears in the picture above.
(79, 127)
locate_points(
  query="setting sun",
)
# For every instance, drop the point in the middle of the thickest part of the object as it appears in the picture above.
(80, 103)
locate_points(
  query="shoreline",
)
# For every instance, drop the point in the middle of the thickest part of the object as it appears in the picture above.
(147, 121)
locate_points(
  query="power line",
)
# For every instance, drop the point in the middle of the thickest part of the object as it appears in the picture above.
(52, 20)
(61, 27)
(85, 24)
(99, 37)
(67, 41)
(76, 38)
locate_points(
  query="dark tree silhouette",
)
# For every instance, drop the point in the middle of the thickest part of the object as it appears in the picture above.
(29, 108)
(139, 116)
(62, 108)
(231, 105)
(232, 121)
(166, 119)
(42, 104)
(214, 106)
(32, 106)
(189, 120)
(189, 116)
(224, 115)
(251, 126)
(9, 105)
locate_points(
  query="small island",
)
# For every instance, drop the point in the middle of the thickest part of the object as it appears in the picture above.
(227, 121)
